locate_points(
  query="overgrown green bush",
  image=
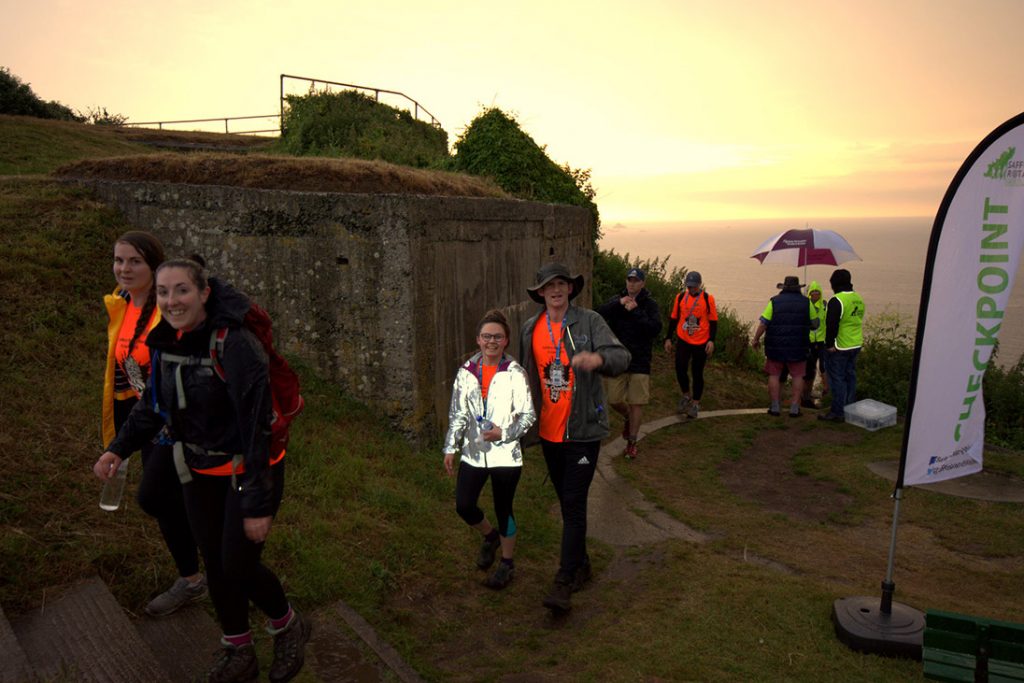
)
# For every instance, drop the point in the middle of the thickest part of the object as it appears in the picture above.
(493, 145)
(886, 359)
(732, 341)
(349, 123)
(17, 99)
(609, 277)
(1004, 404)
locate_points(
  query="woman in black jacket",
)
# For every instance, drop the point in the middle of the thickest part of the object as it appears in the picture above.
(221, 428)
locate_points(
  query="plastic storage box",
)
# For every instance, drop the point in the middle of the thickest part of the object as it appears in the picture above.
(870, 414)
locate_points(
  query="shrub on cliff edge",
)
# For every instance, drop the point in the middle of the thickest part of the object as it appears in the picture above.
(17, 99)
(493, 145)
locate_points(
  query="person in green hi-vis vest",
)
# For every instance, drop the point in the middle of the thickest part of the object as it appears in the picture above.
(844, 335)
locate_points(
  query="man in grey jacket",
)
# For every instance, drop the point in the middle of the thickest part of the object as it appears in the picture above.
(564, 349)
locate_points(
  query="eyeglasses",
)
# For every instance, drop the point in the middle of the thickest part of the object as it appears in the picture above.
(492, 337)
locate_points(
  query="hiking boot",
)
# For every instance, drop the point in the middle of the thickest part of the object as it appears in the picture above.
(178, 595)
(501, 577)
(794, 410)
(684, 403)
(582, 576)
(831, 417)
(289, 649)
(559, 600)
(692, 411)
(630, 450)
(234, 664)
(488, 551)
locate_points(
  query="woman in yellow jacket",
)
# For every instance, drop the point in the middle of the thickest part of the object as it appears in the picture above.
(132, 311)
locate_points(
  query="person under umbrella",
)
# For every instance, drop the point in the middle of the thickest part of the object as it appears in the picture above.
(844, 335)
(785, 324)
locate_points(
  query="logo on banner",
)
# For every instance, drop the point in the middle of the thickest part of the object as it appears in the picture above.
(1006, 169)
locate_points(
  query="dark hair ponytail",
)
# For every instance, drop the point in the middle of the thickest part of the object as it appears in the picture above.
(144, 316)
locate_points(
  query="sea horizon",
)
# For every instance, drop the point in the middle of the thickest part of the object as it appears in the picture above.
(889, 276)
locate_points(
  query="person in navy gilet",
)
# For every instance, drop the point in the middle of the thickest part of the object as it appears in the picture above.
(785, 324)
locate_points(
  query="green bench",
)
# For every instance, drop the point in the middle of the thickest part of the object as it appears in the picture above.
(958, 647)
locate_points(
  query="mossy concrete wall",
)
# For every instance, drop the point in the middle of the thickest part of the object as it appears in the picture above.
(381, 293)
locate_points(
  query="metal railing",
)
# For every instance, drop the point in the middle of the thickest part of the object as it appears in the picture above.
(225, 119)
(417, 107)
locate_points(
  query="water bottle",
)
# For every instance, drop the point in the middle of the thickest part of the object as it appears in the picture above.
(485, 426)
(113, 488)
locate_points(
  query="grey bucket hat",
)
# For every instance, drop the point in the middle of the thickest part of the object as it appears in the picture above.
(791, 283)
(550, 271)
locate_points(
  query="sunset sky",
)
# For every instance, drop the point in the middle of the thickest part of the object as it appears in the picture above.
(683, 110)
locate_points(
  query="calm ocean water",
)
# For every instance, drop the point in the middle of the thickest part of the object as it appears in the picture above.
(889, 278)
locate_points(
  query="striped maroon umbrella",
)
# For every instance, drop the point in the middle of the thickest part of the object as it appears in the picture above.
(806, 247)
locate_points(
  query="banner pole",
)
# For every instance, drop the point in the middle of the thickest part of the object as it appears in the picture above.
(888, 587)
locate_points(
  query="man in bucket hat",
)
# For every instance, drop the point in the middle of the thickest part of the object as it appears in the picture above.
(785, 325)
(564, 350)
(692, 325)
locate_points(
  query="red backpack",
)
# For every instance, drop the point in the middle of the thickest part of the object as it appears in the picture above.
(284, 383)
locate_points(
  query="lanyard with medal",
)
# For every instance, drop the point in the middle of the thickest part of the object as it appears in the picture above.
(557, 375)
(690, 322)
(485, 424)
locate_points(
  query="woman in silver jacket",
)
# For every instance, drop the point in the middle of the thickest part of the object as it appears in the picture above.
(491, 409)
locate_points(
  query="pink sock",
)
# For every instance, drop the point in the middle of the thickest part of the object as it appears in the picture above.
(239, 640)
(278, 624)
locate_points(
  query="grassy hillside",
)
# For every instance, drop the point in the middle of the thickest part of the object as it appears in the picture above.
(31, 146)
(282, 173)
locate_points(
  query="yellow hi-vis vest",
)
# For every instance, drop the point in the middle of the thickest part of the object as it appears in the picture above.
(851, 321)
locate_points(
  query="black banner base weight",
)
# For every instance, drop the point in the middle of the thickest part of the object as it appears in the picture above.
(862, 626)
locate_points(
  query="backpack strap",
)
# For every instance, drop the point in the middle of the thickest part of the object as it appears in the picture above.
(184, 473)
(212, 361)
(217, 338)
(180, 362)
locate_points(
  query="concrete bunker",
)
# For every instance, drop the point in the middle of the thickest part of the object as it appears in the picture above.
(379, 292)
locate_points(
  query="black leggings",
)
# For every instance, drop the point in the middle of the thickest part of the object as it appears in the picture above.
(571, 466)
(160, 497)
(233, 566)
(470, 482)
(698, 355)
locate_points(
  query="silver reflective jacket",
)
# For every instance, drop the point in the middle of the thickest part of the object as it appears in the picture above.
(509, 407)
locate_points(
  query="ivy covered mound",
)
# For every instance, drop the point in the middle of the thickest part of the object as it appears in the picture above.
(351, 124)
(494, 146)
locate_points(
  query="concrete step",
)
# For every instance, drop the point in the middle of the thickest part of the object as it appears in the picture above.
(14, 667)
(84, 635)
(183, 643)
